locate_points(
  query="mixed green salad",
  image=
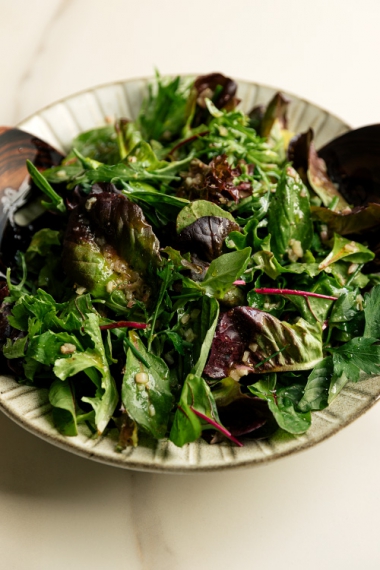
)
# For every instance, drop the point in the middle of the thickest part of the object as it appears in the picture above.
(195, 273)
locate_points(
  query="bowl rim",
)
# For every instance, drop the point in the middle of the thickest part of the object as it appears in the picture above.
(172, 75)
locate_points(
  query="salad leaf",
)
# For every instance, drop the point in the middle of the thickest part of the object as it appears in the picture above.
(316, 392)
(206, 236)
(196, 406)
(248, 340)
(61, 397)
(200, 209)
(56, 202)
(282, 403)
(223, 271)
(145, 392)
(241, 413)
(372, 316)
(289, 221)
(350, 251)
(359, 354)
(106, 398)
(348, 221)
(163, 113)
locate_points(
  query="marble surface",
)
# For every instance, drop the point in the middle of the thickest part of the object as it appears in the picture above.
(318, 509)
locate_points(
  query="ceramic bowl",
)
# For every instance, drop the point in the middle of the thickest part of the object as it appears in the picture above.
(58, 124)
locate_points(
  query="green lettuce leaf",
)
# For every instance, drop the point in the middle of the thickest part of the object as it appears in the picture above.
(61, 397)
(106, 398)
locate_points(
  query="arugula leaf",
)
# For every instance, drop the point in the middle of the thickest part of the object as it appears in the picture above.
(61, 397)
(204, 328)
(57, 202)
(145, 392)
(164, 111)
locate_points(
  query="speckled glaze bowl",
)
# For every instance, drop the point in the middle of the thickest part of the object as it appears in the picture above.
(58, 124)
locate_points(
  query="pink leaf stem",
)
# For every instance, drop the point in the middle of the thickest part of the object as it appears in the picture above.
(270, 291)
(239, 282)
(122, 325)
(217, 426)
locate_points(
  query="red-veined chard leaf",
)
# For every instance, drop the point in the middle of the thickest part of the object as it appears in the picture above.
(196, 412)
(248, 340)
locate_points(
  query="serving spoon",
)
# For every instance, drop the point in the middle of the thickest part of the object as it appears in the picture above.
(16, 146)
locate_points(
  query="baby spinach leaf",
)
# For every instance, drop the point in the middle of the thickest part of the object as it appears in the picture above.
(316, 392)
(61, 397)
(223, 271)
(282, 403)
(338, 382)
(145, 391)
(345, 308)
(289, 220)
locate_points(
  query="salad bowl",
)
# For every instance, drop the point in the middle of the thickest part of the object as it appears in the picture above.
(57, 125)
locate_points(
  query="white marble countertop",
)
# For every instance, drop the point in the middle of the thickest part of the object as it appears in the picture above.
(317, 509)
